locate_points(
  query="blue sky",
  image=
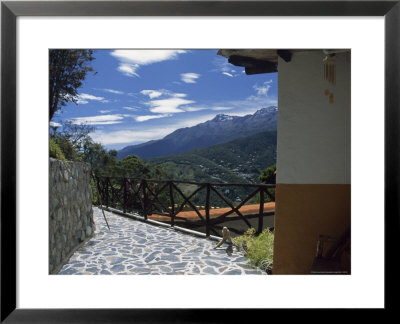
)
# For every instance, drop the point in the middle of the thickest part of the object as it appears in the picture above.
(142, 95)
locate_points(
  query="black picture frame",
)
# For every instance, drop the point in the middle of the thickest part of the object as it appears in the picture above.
(10, 10)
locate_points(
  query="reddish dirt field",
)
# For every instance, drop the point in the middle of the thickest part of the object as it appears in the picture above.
(247, 209)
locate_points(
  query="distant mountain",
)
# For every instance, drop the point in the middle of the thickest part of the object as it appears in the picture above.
(222, 128)
(237, 161)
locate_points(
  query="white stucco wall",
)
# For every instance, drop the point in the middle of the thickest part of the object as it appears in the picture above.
(313, 135)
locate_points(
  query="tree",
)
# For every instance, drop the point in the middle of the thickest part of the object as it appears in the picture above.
(67, 70)
(132, 166)
(268, 175)
(97, 156)
(71, 139)
(77, 134)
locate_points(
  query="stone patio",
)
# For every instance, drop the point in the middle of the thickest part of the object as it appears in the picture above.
(135, 247)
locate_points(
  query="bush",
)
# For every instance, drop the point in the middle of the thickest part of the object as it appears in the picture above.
(55, 150)
(258, 249)
(268, 175)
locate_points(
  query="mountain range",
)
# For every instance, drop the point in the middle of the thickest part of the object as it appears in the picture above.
(221, 129)
(237, 161)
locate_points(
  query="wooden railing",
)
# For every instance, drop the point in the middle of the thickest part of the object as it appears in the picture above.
(165, 198)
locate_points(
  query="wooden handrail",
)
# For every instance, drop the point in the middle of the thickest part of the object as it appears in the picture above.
(136, 194)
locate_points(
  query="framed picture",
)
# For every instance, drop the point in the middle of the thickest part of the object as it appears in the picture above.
(193, 14)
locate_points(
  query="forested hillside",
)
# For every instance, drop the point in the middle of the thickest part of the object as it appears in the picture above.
(238, 161)
(241, 160)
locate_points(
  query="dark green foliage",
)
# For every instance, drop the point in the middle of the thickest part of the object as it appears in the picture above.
(67, 149)
(113, 153)
(97, 156)
(55, 150)
(268, 175)
(72, 140)
(106, 164)
(132, 166)
(67, 70)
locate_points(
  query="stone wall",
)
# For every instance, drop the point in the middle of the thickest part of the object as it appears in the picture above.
(70, 210)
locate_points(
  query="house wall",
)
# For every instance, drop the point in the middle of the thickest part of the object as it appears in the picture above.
(313, 158)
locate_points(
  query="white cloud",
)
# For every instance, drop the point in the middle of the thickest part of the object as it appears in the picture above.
(161, 92)
(104, 111)
(152, 93)
(131, 60)
(195, 108)
(128, 69)
(98, 120)
(148, 117)
(170, 105)
(179, 95)
(223, 66)
(228, 74)
(222, 108)
(144, 57)
(263, 89)
(55, 124)
(83, 98)
(189, 77)
(113, 91)
(128, 136)
(130, 108)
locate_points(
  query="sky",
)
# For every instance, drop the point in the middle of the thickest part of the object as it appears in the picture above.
(136, 96)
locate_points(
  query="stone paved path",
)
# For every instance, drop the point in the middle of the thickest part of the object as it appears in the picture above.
(134, 247)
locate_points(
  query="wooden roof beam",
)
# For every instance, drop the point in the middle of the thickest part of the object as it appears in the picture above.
(253, 66)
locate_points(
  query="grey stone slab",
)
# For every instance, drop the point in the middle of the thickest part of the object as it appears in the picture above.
(168, 250)
(179, 265)
(210, 270)
(133, 247)
(68, 271)
(233, 272)
(170, 257)
(151, 257)
(161, 262)
(117, 268)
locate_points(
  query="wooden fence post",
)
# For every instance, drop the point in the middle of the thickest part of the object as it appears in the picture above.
(208, 210)
(125, 183)
(171, 198)
(107, 192)
(144, 185)
(261, 212)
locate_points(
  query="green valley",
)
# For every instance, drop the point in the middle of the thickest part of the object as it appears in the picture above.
(238, 161)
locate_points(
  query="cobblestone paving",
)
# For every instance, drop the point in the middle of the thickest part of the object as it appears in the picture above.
(134, 247)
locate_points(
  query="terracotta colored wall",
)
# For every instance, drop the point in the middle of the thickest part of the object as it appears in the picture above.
(304, 211)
